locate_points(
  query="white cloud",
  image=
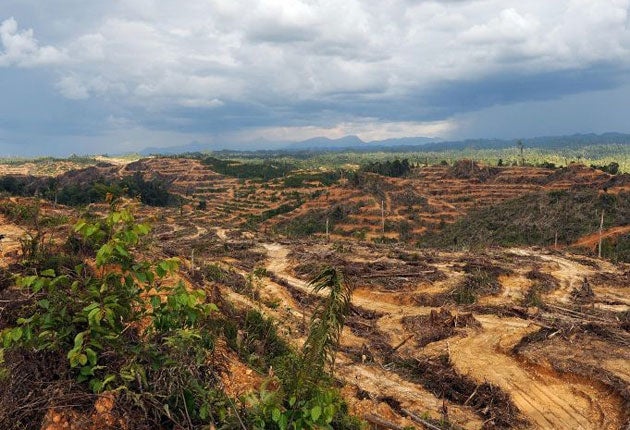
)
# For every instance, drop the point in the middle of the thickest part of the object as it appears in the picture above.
(20, 48)
(297, 50)
(200, 103)
(72, 88)
(369, 129)
(347, 59)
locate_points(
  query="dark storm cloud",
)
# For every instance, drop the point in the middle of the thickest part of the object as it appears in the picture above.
(124, 73)
(463, 96)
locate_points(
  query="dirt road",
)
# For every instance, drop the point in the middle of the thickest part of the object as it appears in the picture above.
(592, 240)
(546, 399)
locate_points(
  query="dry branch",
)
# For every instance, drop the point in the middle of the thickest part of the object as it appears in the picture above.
(405, 340)
(419, 420)
(382, 422)
(398, 275)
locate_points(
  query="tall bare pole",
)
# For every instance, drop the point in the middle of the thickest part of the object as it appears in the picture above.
(601, 227)
(327, 234)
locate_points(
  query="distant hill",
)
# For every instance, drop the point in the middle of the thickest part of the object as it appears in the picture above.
(313, 144)
(324, 143)
(545, 142)
(354, 143)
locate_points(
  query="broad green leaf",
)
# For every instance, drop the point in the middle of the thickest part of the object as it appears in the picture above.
(90, 230)
(26, 281)
(78, 340)
(108, 379)
(204, 412)
(275, 415)
(73, 357)
(283, 422)
(122, 251)
(142, 277)
(43, 303)
(91, 356)
(91, 306)
(16, 333)
(38, 285)
(316, 412)
(96, 385)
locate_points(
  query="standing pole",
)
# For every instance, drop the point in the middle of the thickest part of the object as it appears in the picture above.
(327, 233)
(601, 227)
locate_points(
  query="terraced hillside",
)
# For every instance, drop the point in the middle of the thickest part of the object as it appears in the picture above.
(364, 205)
(431, 197)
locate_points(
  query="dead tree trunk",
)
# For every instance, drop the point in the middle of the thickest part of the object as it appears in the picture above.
(601, 227)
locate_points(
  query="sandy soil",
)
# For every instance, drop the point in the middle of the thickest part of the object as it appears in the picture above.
(546, 399)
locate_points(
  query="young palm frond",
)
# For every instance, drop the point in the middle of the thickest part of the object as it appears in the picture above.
(327, 321)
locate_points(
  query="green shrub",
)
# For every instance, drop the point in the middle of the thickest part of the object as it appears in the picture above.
(117, 333)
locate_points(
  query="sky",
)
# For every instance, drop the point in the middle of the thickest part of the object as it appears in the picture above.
(87, 76)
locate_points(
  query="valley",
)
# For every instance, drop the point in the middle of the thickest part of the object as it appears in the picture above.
(447, 327)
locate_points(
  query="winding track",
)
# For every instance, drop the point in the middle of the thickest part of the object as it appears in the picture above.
(547, 400)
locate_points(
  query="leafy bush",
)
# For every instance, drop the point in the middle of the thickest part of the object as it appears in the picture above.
(612, 168)
(119, 328)
(153, 192)
(618, 249)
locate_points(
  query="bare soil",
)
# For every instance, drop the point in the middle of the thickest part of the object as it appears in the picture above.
(498, 359)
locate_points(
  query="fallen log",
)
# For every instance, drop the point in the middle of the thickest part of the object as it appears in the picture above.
(403, 342)
(581, 315)
(382, 422)
(419, 420)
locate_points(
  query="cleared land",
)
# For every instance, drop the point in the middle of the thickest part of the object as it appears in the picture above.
(513, 337)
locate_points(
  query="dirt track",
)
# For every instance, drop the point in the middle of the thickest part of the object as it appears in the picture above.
(592, 240)
(546, 399)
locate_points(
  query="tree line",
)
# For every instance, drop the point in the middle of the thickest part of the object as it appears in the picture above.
(152, 192)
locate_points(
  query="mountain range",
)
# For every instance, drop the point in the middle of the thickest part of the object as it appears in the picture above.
(419, 143)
